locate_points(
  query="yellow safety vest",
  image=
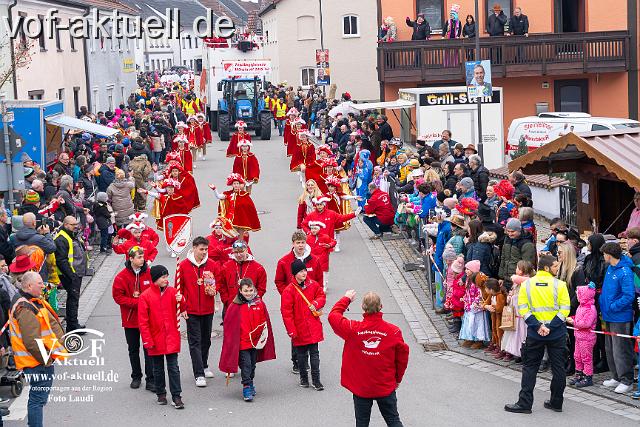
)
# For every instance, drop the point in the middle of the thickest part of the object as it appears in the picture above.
(188, 108)
(53, 347)
(281, 110)
(544, 297)
(64, 235)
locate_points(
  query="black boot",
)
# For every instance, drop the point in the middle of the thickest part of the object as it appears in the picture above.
(315, 379)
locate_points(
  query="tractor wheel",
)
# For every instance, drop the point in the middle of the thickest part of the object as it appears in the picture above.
(213, 120)
(258, 129)
(265, 124)
(223, 126)
(16, 388)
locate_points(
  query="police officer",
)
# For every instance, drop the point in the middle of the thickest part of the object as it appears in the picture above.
(544, 305)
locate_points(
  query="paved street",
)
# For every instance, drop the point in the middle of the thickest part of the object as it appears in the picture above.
(440, 388)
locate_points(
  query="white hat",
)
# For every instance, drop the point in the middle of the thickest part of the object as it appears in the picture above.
(181, 125)
(138, 216)
(244, 142)
(135, 225)
(321, 199)
(240, 124)
(318, 224)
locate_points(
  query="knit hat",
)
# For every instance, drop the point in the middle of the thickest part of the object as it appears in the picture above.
(297, 266)
(474, 265)
(32, 197)
(458, 265)
(514, 224)
(157, 271)
(111, 159)
(102, 197)
(449, 254)
(467, 183)
(28, 172)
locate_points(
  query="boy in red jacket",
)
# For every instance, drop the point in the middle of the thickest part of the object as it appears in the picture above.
(132, 281)
(248, 337)
(321, 246)
(374, 358)
(157, 311)
(132, 235)
(198, 285)
(379, 212)
(300, 306)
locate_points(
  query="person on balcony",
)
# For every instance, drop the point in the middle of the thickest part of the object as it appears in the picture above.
(469, 29)
(421, 28)
(451, 30)
(518, 24)
(496, 21)
(388, 31)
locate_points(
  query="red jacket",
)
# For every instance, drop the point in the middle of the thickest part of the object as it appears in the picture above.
(157, 317)
(329, 218)
(193, 278)
(283, 269)
(231, 273)
(217, 248)
(374, 357)
(124, 285)
(380, 205)
(321, 246)
(302, 326)
(150, 249)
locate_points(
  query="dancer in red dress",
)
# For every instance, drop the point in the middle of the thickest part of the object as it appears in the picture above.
(292, 115)
(236, 205)
(182, 154)
(188, 186)
(181, 128)
(194, 135)
(305, 154)
(204, 131)
(340, 202)
(168, 201)
(305, 201)
(232, 149)
(246, 163)
(298, 125)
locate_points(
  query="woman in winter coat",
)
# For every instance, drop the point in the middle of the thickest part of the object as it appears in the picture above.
(480, 246)
(119, 193)
(421, 28)
(469, 29)
(451, 180)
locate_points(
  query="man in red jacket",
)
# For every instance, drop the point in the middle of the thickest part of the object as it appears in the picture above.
(197, 283)
(374, 358)
(301, 304)
(132, 281)
(300, 251)
(328, 217)
(241, 265)
(157, 311)
(379, 212)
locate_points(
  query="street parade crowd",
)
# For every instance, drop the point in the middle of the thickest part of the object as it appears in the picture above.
(492, 283)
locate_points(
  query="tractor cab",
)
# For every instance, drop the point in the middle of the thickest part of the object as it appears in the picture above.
(241, 100)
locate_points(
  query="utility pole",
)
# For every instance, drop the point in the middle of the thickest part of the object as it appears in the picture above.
(479, 98)
(324, 87)
(7, 117)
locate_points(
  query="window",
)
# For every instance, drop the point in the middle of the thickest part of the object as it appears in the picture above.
(57, 35)
(169, 63)
(595, 127)
(433, 13)
(94, 100)
(350, 27)
(61, 94)
(110, 98)
(571, 95)
(306, 27)
(507, 8)
(123, 98)
(76, 98)
(35, 94)
(72, 42)
(189, 38)
(41, 42)
(308, 76)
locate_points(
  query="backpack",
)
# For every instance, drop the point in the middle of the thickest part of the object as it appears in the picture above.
(494, 261)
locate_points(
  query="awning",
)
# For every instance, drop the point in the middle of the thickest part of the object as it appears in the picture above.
(73, 123)
(390, 105)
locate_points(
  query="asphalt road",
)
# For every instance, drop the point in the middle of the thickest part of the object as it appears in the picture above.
(434, 391)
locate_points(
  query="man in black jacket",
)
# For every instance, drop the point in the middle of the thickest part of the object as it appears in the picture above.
(385, 129)
(70, 281)
(496, 21)
(421, 28)
(517, 179)
(519, 23)
(480, 176)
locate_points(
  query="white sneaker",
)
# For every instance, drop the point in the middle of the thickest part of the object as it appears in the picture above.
(623, 388)
(208, 373)
(204, 157)
(201, 382)
(173, 254)
(611, 383)
(337, 248)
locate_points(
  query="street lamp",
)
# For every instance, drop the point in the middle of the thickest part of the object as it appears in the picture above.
(479, 98)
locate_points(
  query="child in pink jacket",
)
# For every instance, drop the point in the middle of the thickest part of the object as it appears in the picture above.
(584, 321)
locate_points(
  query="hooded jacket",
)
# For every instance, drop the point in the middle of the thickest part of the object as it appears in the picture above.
(616, 299)
(482, 251)
(119, 193)
(140, 169)
(302, 326)
(513, 251)
(231, 273)
(193, 278)
(157, 321)
(374, 357)
(137, 149)
(124, 285)
(283, 269)
(586, 315)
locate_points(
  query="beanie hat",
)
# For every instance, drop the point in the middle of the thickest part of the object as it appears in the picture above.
(102, 197)
(474, 265)
(449, 254)
(111, 159)
(458, 265)
(297, 266)
(28, 172)
(467, 183)
(157, 271)
(514, 224)
(32, 197)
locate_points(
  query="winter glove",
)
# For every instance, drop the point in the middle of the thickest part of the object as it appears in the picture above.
(592, 285)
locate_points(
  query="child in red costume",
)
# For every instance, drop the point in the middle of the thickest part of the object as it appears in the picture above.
(194, 135)
(246, 163)
(241, 264)
(188, 186)
(328, 217)
(130, 237)
(181, 127)
(298, 125)
(183, 154)
(168, 201)
(236, 205)
(321, 246)
(232, 149)
(220, 240)
(205, 130)
(147, 232)
(304, 154)
(305, 201)
(248, 337)
(292, 115)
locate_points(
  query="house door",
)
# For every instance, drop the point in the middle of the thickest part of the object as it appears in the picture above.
(571, 95)
(569, 16)
(613, 198)
(462, 126)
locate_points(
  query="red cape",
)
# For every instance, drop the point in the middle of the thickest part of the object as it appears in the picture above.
(232, 149)
(231, 341)
(292, 140)
(306, 153)
(240, 210)
(189, 190)
(315, 172)
(248, 167)
(287, 131)
(186, 159)
(170, 205)
(205, 129)
(195, 137)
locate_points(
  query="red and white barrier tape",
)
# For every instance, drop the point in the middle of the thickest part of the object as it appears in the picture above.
(613, 334)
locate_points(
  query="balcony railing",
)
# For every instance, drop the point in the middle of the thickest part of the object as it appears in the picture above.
(537, 55)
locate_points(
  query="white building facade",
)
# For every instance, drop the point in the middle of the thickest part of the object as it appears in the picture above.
(292, 33)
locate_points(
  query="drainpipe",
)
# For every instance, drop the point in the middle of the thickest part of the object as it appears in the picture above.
(11, 47)
(86, 69)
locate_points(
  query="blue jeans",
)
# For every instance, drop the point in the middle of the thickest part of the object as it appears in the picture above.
(104, 238)
(155, 157)
(280, 124)
(40, 379)
(375, 225)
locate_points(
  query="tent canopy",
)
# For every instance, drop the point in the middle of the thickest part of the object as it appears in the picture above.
(389, 105)
(73, 123)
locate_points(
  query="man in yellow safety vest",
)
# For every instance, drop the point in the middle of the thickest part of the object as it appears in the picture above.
(70, 280)
(543, 303)
(36, 335)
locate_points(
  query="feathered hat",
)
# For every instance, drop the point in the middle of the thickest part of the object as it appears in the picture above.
(172, 156)
(468, 206)
(504, 189)
(138, 216)
(235, 177)
(170, 182)
(182, 125)
(324, 148)
(318, 224)
(244, 142)
(333, 180)
(321, 199)
(240, 124)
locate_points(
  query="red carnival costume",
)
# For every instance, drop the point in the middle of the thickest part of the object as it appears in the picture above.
(188, 187)
(169, 203)
(246, 163)
(232, 149)
(236, 205)
(304, 154)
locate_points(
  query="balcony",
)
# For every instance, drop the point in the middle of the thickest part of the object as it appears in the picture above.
(433, 61)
